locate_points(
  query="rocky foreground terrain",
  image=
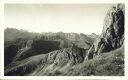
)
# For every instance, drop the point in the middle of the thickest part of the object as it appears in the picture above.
(67, 54)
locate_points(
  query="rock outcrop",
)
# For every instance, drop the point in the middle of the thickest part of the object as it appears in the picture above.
(43, 64)
(112, 36)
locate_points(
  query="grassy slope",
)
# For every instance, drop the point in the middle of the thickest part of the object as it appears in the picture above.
(107, 64)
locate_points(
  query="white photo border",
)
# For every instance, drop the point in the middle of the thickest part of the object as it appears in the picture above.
(2, 2)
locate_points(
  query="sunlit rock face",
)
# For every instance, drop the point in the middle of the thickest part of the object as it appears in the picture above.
(112, 36)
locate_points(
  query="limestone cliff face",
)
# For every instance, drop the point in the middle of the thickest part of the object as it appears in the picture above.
(112, 36)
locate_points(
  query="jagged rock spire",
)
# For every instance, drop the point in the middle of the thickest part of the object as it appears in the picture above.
(112, 36)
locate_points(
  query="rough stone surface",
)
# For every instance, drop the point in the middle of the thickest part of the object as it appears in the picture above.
(112, 36)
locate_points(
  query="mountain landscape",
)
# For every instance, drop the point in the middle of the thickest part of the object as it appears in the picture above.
(67, 54)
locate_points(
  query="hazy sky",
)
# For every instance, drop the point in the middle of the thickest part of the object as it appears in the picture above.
(78, 18)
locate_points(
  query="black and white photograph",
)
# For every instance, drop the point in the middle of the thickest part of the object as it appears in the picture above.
(64, 39)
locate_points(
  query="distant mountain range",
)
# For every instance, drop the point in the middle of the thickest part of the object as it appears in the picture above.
(42, 43)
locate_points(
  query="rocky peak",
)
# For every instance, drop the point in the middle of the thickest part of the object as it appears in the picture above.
(112, 36)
